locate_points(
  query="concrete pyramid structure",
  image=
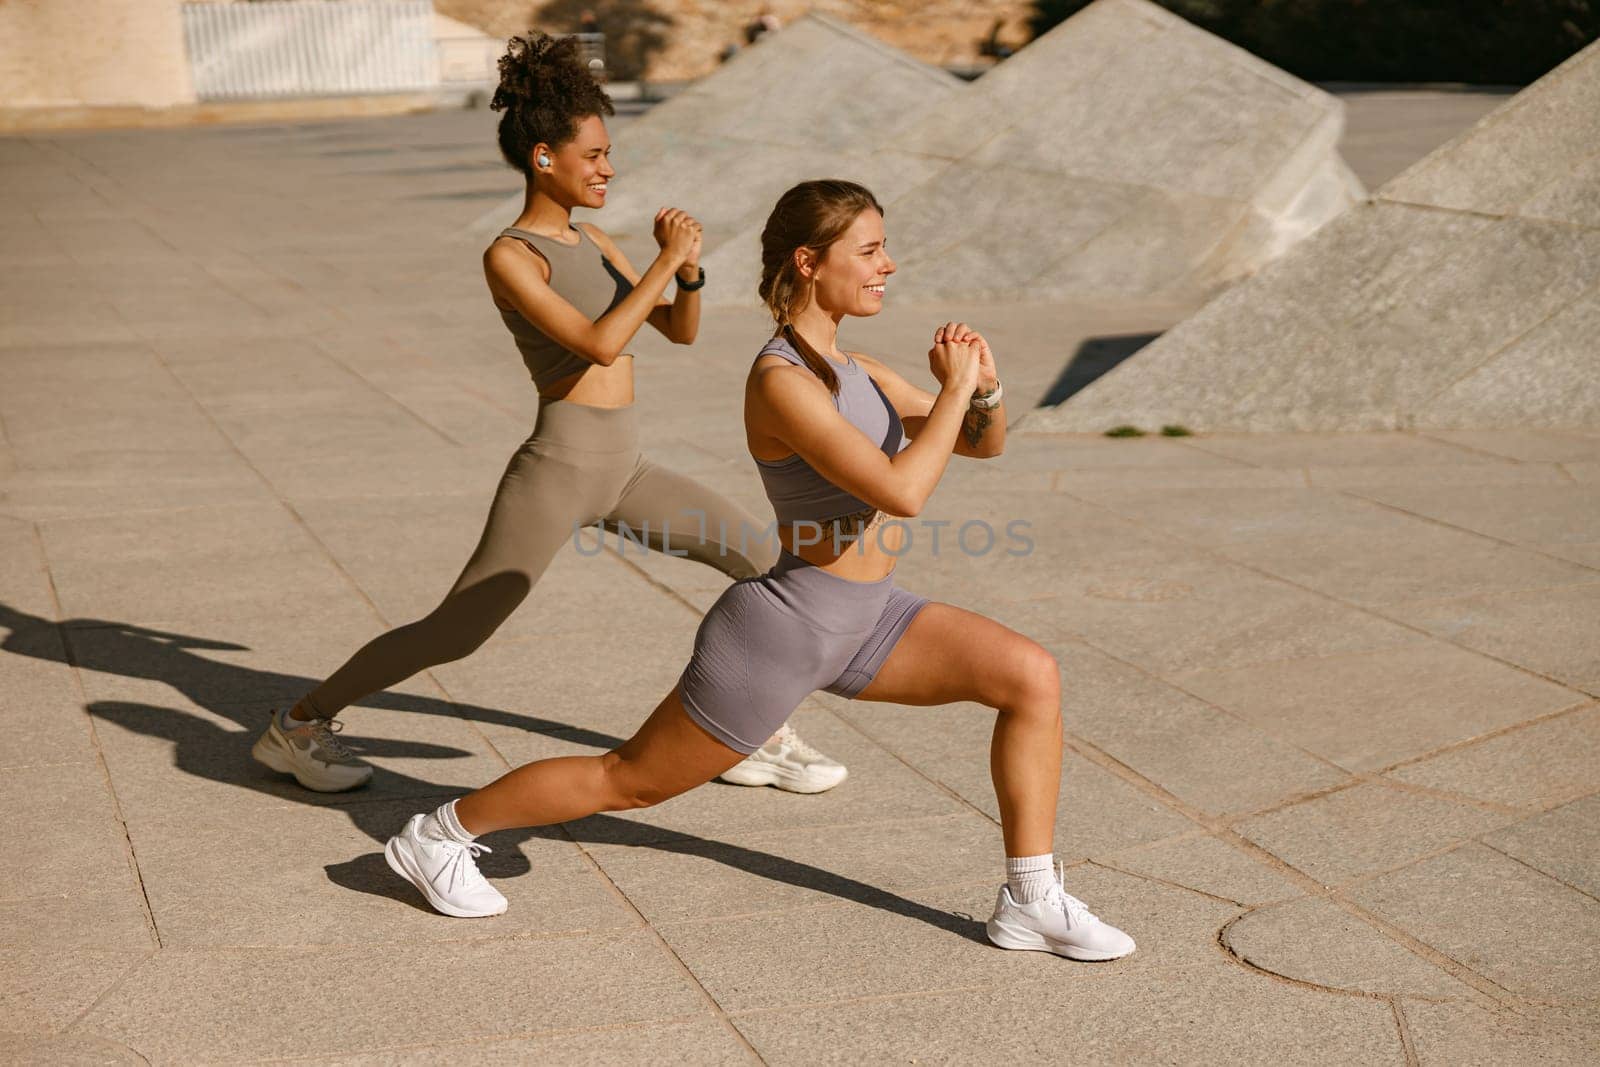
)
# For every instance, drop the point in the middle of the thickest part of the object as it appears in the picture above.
(1125, 153)
(1465, 295)
(816, 99)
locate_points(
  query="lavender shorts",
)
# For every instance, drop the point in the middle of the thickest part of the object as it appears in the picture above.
(770, 642)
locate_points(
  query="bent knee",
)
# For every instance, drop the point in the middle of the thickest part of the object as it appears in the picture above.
(627, 788)
(1031, 685)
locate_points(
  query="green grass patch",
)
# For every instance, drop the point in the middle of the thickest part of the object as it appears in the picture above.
(1176, 431)
(1124, 431)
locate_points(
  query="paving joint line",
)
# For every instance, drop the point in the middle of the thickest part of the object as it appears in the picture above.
(1212, 554)
(1400, 1023)
(1219, 941)
(494, 1039)
(683, 968)
(1535, 869)
(130, 853)
(1312, 887)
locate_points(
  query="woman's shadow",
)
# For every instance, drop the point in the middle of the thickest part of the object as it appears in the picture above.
(207, 750)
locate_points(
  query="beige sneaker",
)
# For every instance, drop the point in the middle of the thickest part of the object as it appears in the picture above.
(310, 751)
(788, 763)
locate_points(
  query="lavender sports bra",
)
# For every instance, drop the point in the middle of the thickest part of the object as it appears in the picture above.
(798, 493)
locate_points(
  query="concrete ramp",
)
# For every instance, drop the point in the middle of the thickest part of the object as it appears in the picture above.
(1125, 153)
(817, 99)
(1465, 295)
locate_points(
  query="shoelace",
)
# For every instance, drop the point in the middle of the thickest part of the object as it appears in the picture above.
(463, 866)
(1076, 909)
(323, 731)
(800, 747)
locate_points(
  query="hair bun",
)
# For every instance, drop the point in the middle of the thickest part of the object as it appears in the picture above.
(531, 67)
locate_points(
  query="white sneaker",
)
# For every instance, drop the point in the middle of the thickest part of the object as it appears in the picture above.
(445, 871)
(317, 759)
(788, 763)
(1057, 922)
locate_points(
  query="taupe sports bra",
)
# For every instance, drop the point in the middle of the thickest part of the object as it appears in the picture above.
(585, 278)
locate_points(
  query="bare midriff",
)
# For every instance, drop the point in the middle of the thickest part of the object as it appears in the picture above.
(597, 386)
(860, 551)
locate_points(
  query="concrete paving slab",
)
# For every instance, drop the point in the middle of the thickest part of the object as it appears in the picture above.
(44, 990)
(1313, 940)
(232, 1010)
(938, 944)
(164, 757)
(1550, 632)
(1133, 717)
(316, 876)
(1528, 445)
(1508, 474)
(1192, 614)
(686, 1043)
(1414, 561)
(86, 848)
(1540, 765)
(1208, 1015)
(1206, 865)
(1528, 515)
(1539, 944)
(1333, 450)
(1461, 297)
(1097, 812)
(1458, 1034)
(1345, 707)
(110, 919)
(868, 864)
(1369, 828)
(1556, 843)
(68, 1050)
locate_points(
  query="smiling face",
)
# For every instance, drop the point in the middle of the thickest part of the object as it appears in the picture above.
(850, 277)
(579, 170)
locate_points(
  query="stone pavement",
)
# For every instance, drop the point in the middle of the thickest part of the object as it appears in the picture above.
(1334, 744)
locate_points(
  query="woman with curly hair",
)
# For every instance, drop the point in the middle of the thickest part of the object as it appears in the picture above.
(828, 430)
(573, 302)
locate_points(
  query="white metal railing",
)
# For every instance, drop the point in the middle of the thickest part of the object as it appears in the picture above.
(310, 48)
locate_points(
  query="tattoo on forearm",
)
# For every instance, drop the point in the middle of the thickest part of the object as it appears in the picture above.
(975, 425)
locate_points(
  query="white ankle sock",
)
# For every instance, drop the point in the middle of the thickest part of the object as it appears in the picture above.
(1030, 877)
(443, 825)
(289, 722)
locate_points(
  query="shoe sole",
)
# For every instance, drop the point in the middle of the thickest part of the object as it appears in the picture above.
(400, 863)
(265, 752)
(1028, 941)
(768, 775)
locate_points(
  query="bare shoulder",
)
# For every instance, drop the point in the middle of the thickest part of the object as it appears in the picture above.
(775, 380)
(507, 257)
(599, 237)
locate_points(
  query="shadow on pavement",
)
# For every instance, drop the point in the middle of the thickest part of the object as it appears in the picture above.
(1094, 357)
(210, 751)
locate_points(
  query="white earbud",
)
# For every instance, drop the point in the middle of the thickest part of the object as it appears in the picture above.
(544, 160)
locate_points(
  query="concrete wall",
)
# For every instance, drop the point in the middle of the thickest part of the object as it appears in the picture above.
(97, 53)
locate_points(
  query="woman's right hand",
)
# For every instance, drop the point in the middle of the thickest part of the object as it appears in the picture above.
(678, 234)
(954, 363)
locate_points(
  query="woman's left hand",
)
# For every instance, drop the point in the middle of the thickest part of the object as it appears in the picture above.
(988, 376)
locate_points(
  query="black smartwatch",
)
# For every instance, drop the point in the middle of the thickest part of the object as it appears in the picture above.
(690, 287)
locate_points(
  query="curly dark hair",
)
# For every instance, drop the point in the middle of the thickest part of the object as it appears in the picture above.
(545, 92)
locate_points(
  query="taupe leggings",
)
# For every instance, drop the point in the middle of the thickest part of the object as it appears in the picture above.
(581, 467)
